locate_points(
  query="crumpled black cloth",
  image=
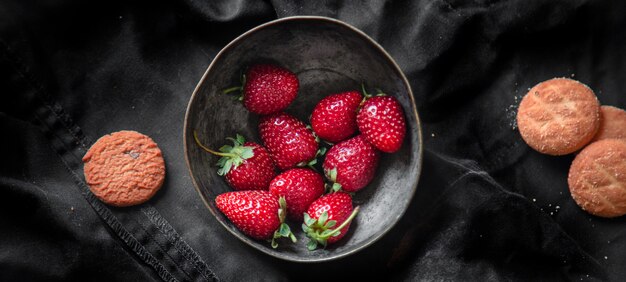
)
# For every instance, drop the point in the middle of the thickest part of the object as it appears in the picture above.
(487, 207)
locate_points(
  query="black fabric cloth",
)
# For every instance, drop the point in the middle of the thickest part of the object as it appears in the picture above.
(487, 207)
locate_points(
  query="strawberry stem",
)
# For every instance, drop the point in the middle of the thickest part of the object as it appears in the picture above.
(237, 88)
(318, 229)
(345, 222)
(311, 165)
(232, 89)
(365, 95)
(195, 136)
(282, 210)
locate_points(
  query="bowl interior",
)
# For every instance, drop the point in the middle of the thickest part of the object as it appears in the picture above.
(329, 57)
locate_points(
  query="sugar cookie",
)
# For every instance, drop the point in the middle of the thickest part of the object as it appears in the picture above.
(558, 116)
(612, 123)
(597, 178)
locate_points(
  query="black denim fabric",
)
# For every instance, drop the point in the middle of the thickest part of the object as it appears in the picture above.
(487, 207)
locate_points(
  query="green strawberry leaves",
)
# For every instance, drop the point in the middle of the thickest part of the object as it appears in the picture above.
(322, 219)
(311, 245)
(239, 151)
(231, 156)
(308, 220)
(332, 176)
(226, 164)
(313, 162)
(283, 230)
(320, 229)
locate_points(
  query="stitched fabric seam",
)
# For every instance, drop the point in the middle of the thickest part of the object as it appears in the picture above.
(179, 243)
(113, 223)
(164, 248)
(58, 111)
(100, 209)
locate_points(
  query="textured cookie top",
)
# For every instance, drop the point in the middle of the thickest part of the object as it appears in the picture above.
(612, 123)
(558, 116)
(124, 168)
(597, 178)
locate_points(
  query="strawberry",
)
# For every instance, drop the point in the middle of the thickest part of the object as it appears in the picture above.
(351, 164)
(258, 214)
(300, 187)
(381, 121)
(267, 89)
(288, 140)
(246, 165)
(334, 117)
(331, 210)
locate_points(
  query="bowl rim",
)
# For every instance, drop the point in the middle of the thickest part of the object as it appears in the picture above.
(395, 66)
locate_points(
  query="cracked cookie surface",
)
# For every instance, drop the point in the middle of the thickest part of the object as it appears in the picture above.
(558, 116)
(124, 168)
(597, 178)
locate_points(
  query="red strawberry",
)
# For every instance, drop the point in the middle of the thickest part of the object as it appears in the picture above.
(247, 165)
(351, 164)
(334, 117)
(288, 140)
(381, 121)
(331, 210)
(300, 187)
(259, 214)
(267, 89)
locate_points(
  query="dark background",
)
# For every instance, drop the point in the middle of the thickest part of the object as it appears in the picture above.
(487, 207)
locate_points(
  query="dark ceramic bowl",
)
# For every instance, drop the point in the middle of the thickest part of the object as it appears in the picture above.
(328, 56)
